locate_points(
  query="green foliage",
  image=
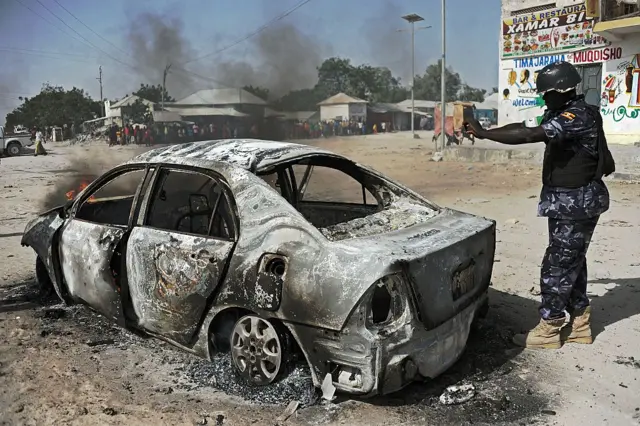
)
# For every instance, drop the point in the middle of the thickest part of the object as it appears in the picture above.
(428, 85)
(468, 93)
(138, 113)
(54, 106)
(153, 93)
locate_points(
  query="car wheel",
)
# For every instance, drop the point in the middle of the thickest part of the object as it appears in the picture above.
(13, 149)
(45, 286)
(260, 351)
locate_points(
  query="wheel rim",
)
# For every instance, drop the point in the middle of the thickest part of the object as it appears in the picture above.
(256, 350)
(14, 150)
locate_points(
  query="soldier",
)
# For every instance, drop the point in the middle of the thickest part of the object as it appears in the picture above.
(573, 197)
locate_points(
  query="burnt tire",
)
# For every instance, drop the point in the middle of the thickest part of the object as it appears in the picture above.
(45, 289)
(14, 149)
(260, 350)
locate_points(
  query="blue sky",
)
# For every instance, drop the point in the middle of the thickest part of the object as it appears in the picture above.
(363, 30)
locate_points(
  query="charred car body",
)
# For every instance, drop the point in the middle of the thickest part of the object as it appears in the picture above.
(245, 246)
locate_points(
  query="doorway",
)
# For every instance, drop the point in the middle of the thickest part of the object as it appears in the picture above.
(591, 82)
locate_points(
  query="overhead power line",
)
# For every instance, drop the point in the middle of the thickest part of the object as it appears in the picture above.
(90, 29)
(254, 33)
(46, 20)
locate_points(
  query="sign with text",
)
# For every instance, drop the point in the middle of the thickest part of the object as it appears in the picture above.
(550, 31)
(597, 55)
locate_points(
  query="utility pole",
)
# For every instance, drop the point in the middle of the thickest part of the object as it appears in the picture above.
(101, 98)
(164, 82)
(412, 19)
(443, 77)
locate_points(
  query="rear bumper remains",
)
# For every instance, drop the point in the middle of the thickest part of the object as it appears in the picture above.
(368, 364)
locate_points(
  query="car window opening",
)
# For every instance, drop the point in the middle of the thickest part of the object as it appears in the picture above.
(192, 203)
(111, 203)
(344, 201)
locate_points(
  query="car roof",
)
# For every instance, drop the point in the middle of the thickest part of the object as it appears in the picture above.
(249, 154)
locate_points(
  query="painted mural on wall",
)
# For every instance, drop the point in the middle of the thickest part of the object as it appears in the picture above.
(621, 89)
(551, 31)
(518, 84)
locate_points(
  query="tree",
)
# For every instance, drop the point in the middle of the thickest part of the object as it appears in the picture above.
(261, 92)
(139, 112)
(153, 93)
(427, 86)
(468, 93)
(55, 106)
(374, 84)
(494, 90)
(300, 100)
(335, 76)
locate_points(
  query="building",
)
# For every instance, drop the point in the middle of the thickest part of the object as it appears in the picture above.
(620, 91)
(488, 108)
(420, 105)
(600, 37)
(343, 107)
(227, 102)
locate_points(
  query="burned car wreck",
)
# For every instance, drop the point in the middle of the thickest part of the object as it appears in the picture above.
(266, 250)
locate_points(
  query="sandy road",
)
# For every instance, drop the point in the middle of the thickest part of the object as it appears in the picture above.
(68, 366)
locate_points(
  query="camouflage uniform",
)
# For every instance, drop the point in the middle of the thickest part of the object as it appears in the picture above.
(573, 214)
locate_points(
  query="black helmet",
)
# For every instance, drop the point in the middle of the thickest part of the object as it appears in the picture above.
(558, 76)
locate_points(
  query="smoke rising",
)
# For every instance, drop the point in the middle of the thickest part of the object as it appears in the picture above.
(155, 41)
(386, 46)
(280, 58)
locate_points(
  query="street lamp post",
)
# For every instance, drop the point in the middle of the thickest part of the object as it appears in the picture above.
(443, 85)
(412, 19)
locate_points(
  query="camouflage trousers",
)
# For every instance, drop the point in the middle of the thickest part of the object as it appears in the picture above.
(563, 278)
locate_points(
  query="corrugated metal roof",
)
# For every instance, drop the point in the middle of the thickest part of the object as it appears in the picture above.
(208, 111)
(383, 108)
(130, 100)
(221, 97)
(490, 102)
(166, 117)
(342, 98)
(418, 103)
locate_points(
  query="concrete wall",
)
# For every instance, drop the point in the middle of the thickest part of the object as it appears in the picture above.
(330, 112)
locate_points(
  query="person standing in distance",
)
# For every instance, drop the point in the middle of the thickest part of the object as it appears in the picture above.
(573, 197)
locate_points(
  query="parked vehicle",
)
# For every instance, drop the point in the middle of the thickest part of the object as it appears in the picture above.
(269, 251)
(485, 122)
(12, 144)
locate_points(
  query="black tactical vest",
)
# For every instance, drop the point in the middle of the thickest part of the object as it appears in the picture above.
(570, 165)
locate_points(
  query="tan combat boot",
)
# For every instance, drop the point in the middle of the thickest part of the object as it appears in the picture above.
(579, 328)
(546, 335)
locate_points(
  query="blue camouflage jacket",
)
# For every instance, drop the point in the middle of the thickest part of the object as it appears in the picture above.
(572, 125)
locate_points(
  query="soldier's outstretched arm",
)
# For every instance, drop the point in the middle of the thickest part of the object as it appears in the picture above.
(515, 134)
(511, 134)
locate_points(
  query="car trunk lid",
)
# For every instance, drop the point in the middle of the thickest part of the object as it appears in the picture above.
(447, 261)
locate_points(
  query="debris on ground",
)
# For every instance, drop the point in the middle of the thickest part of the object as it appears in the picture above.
(328, 389)
(458, 394)
(288, 412)
(628, 361)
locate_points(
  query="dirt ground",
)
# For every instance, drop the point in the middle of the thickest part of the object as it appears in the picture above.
(67, 365)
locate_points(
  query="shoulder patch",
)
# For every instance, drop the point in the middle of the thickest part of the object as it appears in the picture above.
(569, 116)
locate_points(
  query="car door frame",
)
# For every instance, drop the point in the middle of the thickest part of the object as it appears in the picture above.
(141, 219)
(84, 195)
